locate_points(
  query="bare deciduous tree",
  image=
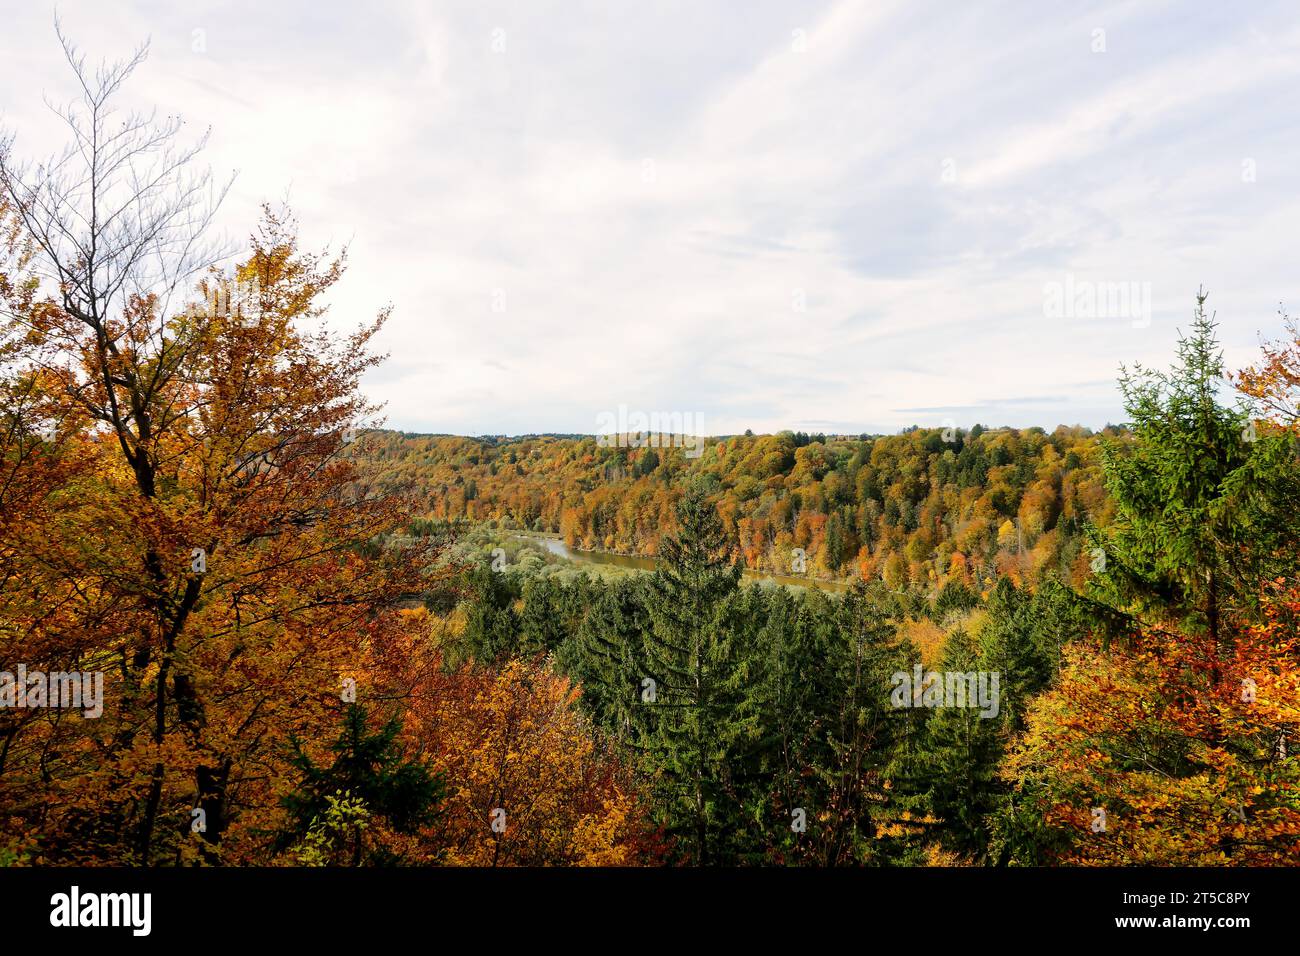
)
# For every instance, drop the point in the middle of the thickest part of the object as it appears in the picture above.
(120, 224)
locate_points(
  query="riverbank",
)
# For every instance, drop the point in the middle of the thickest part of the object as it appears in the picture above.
(557, 547)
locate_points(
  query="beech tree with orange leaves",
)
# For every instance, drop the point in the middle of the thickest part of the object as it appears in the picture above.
(1142, 756)
(179, 512)
(1274, 383)
(529, 780)
(1169, 744)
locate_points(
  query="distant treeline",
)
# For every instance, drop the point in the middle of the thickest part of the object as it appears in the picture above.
(920, 508)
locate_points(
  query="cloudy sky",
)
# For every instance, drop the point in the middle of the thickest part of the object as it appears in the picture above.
(838, 216)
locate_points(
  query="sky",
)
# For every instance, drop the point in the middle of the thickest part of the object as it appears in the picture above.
(831, 216)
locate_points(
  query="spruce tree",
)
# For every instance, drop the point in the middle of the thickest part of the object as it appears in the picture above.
(779, 719)
(1202, 502)
(1011, 646)
(604, 654)
(491, 624)
(690, 706)
(865, 734)
(961, 754)
(369, 766)
(542, 620)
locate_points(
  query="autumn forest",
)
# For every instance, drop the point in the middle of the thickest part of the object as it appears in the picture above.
(245, 622)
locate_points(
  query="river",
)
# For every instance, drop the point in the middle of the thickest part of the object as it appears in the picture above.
(555, 544)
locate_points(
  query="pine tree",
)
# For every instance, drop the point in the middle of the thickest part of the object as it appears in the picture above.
(1201, 500)
(693, 666)
(865, 733)
(491, 624)
(604, 653)
(370, 769)
(961, 754)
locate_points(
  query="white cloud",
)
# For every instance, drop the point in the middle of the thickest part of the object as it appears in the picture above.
(652, 190)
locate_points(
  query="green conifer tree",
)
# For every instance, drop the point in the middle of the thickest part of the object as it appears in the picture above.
(1204, 505)
(690, 707)
(370, 769)
(604, 654)
(961, 753)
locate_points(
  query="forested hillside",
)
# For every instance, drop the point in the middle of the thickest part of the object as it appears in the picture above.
(238, 629)
(922, 507)
(1137, 708)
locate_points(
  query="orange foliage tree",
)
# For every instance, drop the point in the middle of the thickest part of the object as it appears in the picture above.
(180, 516)
(1141, 756)
(1274, 383)
(530, 782)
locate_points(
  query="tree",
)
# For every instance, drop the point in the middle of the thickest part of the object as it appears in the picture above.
(1137, 758)
(542, 623)
(693, 667)
(863, 816)
(1274, 382)
(201, 538)
(782, 703)
(606, 658)
(1171, 747)
(1203, 504)
(1017, 640)
(491, 624)
(370, 769)
(960, 757)
(534, 783)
